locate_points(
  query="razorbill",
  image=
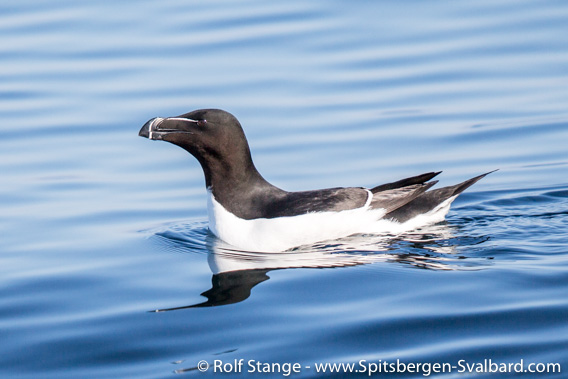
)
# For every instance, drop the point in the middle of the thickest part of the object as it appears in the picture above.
(251, 214)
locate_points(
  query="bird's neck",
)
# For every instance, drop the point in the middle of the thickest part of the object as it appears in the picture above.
(235, 180)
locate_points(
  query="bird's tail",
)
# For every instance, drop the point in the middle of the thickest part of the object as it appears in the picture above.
(430, 200)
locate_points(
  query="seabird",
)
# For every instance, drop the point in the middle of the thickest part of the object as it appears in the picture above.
(248, 212)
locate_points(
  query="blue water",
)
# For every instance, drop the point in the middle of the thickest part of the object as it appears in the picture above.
(100, 228)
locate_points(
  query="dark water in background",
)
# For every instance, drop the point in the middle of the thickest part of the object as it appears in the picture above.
(99, 227)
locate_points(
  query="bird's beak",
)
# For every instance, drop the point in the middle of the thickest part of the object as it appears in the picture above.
(149, 128)
(157, 128)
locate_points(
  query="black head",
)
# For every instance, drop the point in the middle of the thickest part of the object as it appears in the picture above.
(213, 136)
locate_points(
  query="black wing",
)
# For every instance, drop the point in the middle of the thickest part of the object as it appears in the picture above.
(395, 198)
(391, 196)
(402, 199)
(419, 179)
(429, 200)
(325, 200)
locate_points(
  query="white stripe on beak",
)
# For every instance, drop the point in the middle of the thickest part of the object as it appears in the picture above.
(154, 124)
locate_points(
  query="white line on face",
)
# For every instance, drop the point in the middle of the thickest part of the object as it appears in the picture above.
(181, 119)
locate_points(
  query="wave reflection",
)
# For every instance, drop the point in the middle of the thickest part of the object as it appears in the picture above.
(236, 272)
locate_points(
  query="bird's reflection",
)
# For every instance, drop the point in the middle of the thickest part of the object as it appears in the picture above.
(228, 288)
(236, 272)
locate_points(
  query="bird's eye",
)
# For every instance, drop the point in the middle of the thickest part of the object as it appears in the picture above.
(201, 122)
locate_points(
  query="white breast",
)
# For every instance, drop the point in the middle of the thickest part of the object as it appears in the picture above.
(282, 233)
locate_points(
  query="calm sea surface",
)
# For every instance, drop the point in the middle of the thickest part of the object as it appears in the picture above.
(99, 228)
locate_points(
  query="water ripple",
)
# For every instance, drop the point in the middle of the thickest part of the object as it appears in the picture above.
(330, 94)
